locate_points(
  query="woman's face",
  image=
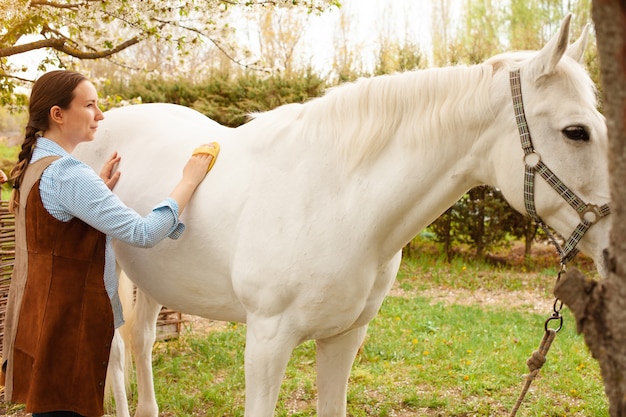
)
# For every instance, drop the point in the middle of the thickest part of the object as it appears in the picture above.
(80, 120)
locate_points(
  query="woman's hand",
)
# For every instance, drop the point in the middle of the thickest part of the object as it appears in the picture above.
(197, 166)
(107, 174)
(193, 173)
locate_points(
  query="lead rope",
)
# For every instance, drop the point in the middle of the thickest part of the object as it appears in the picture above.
(538, 357)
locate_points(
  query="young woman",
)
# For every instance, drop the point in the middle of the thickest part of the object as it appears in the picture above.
(63, 304)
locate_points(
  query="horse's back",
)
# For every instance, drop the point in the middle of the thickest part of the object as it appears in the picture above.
(130, 129)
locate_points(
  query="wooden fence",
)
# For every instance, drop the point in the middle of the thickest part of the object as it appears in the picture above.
(7, 259)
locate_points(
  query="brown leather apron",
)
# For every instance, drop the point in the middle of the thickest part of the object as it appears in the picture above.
(59, 323)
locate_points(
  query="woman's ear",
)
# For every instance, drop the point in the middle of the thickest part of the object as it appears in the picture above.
(56, 114)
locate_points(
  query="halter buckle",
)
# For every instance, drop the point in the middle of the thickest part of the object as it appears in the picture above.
(591, 214)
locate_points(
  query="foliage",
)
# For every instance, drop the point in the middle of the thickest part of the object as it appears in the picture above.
(225, 99)
(230, 103)
(394, 57)
(489, 27)
(482, 218)
(92, 30)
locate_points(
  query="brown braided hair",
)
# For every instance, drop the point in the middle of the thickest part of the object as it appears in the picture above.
(54, 88)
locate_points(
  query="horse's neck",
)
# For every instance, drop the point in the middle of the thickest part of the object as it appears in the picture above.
(407, 193)
(396, 151)
(433, 152)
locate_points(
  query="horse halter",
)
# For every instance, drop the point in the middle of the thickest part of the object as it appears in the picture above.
(589, 213)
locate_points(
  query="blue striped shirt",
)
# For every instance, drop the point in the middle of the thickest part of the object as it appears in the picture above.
(69, 188)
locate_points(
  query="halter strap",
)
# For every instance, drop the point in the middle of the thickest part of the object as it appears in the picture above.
(589, 213)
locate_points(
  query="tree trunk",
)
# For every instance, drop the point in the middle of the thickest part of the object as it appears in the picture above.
(600, 307)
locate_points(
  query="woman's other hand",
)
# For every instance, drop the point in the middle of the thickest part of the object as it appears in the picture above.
(108, 173)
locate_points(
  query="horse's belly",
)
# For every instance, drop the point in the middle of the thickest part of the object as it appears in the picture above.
(184, 283)
(317, 302)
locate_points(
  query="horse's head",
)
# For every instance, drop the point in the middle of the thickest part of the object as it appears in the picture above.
(563, 132)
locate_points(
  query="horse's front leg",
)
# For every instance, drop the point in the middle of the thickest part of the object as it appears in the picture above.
(335, 356)
(269, 344)
(143, 336)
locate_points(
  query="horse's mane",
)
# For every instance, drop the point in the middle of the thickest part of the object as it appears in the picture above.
(360, 118)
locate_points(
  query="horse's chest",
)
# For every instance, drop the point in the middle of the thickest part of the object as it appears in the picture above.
(321, 306)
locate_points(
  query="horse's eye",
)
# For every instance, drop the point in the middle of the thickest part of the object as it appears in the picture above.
(576, 133)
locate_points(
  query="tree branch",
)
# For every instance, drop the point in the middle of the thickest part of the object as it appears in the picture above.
(220, 48)
(59, 5)
(61, 46)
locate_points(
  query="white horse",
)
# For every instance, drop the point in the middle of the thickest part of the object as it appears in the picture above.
(298, 229)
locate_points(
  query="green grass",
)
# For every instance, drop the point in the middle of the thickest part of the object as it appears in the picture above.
(421, 357)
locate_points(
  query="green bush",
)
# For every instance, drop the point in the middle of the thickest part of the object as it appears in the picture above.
(222, 97)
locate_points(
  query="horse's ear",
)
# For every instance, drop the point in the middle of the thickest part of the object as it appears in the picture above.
(547, 59)
(577, 49)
